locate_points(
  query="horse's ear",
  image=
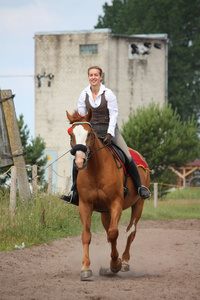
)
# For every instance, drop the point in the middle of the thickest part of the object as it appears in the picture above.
(88, 117)
(69, 117)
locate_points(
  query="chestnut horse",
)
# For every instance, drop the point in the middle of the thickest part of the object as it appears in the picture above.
(100, 188)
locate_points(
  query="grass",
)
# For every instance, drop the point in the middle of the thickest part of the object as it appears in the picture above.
(48, 218)
(168, 210)
(177, 204)
(187, 194)
(42, 220)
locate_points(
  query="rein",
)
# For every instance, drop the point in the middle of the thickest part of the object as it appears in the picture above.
(97, 150)
(84, 148)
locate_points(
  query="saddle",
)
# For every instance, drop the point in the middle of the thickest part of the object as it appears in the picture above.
(120, 155)
(122, 160)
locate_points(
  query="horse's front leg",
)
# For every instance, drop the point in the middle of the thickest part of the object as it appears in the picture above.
(85, 214)
(113, 232)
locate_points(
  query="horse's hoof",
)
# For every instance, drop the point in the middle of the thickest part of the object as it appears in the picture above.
(125, 267)
(105, 272)
(116, 269)
(85, 274)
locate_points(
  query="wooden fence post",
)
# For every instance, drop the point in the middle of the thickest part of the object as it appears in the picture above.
(34, 179)
(13, 189)
(155, 194)
(50, 179)
(15, 144)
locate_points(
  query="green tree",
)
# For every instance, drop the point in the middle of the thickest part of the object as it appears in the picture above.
(33, 149)
(163, 139)
(181, 21)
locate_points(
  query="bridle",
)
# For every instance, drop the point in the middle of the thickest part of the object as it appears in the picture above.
(85, 149)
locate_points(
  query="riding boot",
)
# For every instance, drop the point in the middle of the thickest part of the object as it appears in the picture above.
(132, 169)
(73, 197)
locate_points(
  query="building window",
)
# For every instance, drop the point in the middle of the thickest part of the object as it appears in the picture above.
(88, 49)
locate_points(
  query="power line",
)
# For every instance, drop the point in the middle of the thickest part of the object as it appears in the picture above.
(16, 76)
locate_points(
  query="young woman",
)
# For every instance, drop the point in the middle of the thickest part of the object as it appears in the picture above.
(103, 103)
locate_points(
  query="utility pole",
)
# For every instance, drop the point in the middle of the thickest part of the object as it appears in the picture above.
(15, 143)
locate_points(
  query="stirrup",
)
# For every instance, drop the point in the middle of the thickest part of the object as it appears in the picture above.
(67, 199)
(147, 193)
(72, 198)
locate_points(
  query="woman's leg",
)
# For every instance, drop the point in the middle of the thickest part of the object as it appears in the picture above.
(131, 166)
(120, 142)
(73, 197)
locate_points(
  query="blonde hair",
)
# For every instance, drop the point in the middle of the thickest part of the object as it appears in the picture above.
(96, 67)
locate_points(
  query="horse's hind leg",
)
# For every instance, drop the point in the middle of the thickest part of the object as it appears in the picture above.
(105, 219)
(131, 232)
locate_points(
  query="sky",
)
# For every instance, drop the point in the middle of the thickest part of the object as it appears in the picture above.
(20, 20)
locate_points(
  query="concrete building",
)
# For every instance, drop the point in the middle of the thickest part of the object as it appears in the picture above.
(134, 66)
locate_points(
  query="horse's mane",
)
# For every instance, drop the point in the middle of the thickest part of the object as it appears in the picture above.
(76, 117)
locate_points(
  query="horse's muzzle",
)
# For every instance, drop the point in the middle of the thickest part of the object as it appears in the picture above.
(82, 166)
(81, 154)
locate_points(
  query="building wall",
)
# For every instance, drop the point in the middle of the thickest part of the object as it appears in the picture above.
(135, 79)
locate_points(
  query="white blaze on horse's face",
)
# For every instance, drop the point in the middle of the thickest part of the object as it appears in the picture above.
(81, 136)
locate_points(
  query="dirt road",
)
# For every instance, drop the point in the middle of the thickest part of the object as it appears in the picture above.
(165, 264)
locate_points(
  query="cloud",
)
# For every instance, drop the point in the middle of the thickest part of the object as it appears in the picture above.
(21, 21)
(23, 18)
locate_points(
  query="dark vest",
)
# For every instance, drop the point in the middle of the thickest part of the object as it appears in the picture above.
(100, 113)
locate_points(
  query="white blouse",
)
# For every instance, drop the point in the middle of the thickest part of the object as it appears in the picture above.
(111, 105)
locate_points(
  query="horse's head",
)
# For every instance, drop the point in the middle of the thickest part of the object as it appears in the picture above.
(81, 135)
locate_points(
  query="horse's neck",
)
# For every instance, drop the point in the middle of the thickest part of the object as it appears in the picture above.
(99, 151)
